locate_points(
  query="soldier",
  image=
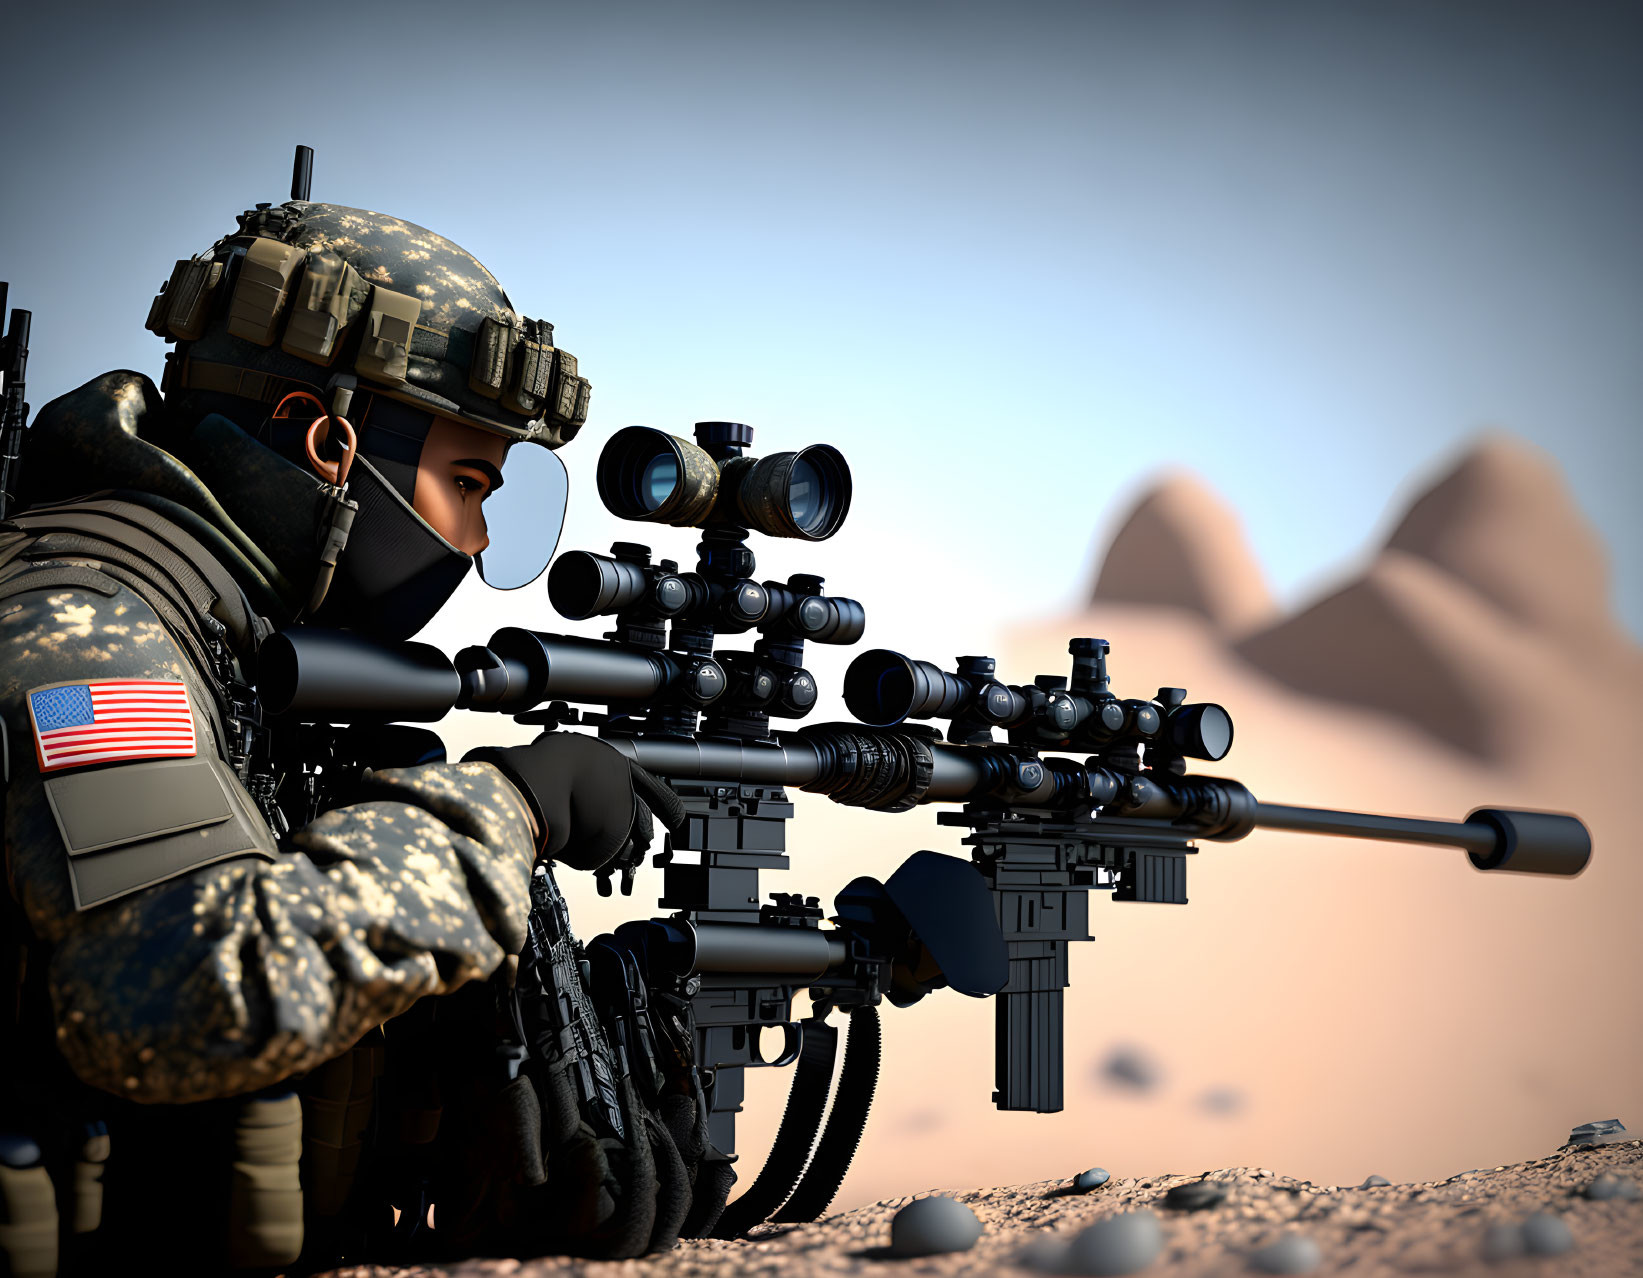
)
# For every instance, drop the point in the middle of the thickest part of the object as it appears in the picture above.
(209, 918)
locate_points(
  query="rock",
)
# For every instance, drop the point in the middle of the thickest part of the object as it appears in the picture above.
(933, 1226)
(1092, 1179)
(1291, 1254)
(1121, 1244)
(1222, 1101)
(1195, 1195)
(1605, 1131)
(1501, 1241)
(1546, 1235)
(1132, 1068)
(1374, 1182)
(1609, 1186)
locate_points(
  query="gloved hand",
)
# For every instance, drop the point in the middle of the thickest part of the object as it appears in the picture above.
(592, 803)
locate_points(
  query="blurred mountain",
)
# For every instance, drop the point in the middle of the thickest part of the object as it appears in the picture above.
(1504, 522)
(1184, 547)
(1484, 620)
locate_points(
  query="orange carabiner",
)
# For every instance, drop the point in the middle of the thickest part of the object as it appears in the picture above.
(349, 441)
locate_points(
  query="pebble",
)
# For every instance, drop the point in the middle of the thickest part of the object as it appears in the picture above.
(1374, 1182)
(1195, 1195)
(932, 1226)
(1546, 1235)
(1121, 1244)
(1092, 1179)
(1605, 1131)
(1609, 1185)
(1502, 1241)
(1221, 1100)
(1131, 1067)
(1291, 1254)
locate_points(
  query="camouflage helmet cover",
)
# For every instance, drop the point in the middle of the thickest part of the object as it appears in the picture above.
(305, 287)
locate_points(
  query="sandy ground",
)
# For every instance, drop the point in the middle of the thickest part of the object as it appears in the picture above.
(1430, 1227)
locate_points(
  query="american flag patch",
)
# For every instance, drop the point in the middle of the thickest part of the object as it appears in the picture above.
(111, 720)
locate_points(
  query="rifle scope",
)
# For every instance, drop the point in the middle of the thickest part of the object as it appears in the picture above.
(583, 584)
(650, 475)
(884, 688)
(334, 676)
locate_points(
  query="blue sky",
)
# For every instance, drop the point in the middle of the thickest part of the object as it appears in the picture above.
(1012, 261)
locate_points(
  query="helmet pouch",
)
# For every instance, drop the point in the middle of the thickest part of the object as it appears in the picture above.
(182, 307)
(260, 291)
(325, 301)
(385, 346)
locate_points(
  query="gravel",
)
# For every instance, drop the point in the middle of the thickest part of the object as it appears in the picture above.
(1408, 1228)
(933, 1226)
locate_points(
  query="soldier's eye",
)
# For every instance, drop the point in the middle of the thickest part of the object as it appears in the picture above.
(468, 486)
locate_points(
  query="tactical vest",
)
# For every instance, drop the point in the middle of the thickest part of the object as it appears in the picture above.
(159, 550)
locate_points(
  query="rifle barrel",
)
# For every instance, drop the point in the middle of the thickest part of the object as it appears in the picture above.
(1474, 837)
(1494, 838)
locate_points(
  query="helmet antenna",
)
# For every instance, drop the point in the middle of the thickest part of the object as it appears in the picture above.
(302, 173)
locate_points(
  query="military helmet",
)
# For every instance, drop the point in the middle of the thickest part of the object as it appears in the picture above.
(304, 291)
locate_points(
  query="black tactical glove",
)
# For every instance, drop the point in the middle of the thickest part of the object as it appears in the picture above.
(592, 803)
(562, 1150)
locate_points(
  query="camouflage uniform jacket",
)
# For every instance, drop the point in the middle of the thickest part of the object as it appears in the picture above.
(245, 959)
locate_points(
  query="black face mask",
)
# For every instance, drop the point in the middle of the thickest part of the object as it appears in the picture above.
(396, 572)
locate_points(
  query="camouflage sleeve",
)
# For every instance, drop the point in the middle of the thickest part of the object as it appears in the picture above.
(237, 974)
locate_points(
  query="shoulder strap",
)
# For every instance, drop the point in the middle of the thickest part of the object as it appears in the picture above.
(201, 576)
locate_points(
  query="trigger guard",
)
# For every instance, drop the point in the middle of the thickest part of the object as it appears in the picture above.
(792, 1044)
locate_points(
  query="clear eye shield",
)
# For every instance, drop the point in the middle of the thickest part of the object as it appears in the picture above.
(524, 517)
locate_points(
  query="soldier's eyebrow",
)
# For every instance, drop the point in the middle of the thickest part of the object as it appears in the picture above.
(485, 468)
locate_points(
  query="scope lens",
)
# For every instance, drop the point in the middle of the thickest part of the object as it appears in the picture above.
(882, 688)
(658, 480)
(1201, 731)
(646, 474)
(804, 494)
(582, 584)
(807, 496)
